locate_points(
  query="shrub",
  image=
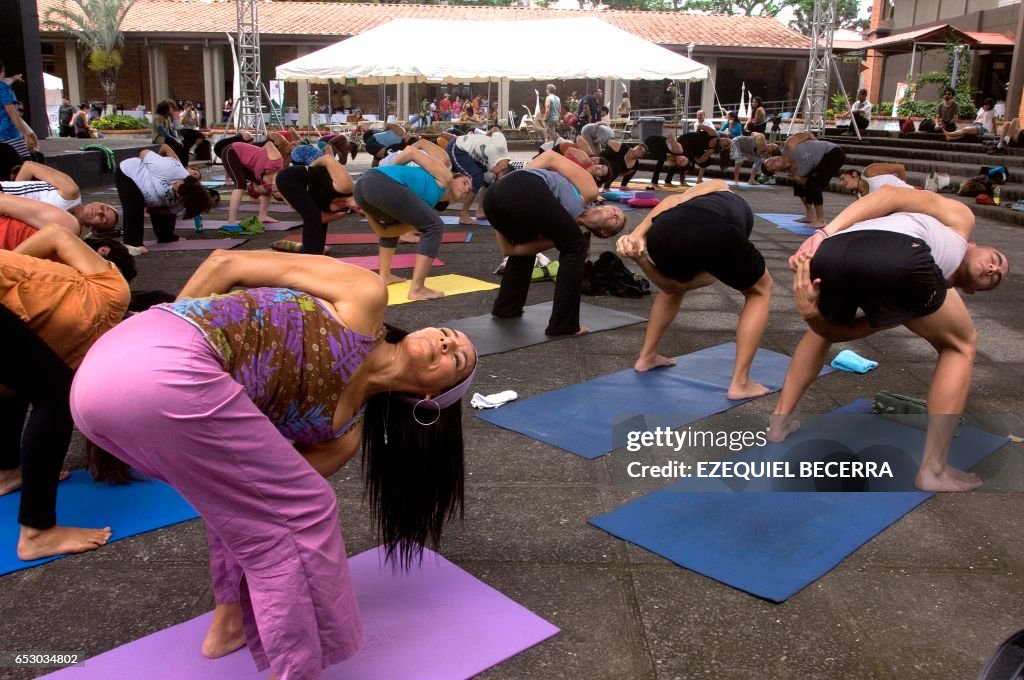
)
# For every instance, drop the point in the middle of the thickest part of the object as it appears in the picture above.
(116, 122)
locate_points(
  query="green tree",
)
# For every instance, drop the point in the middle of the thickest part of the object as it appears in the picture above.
(765, 8)
(96, 24)
(846, 15)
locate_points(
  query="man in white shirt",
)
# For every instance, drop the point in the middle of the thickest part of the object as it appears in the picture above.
(894, 255)
(861, 109)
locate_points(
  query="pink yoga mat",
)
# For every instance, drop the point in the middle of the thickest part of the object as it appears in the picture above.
(283, 225)
(434, 622)
(371, 239)
(403, 261)
(196, 244)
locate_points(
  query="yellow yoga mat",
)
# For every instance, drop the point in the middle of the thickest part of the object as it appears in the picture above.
(450, 284)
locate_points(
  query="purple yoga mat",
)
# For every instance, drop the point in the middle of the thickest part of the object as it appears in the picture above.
(274, 207)
(403, 261)
(372, 239)
(283, 225)
(434, 622)
(196, 244)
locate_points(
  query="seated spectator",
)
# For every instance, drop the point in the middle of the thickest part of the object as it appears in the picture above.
(731, 126)
(80, 122)
(758, 119)
(947, 112)
(984, 123)
(1012, 136)
(861, 111)
(703, 122)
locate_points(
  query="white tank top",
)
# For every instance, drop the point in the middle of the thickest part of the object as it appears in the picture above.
(878, 181)
(948, 247)
(39, 191)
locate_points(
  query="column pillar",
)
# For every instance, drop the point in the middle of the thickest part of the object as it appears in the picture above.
(302, 91)
(503, 100)
(707, 91)
(158, 79)
(213, 83)
(402, 106)
(74, 83)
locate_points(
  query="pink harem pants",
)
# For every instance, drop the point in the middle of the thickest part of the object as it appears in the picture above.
(154, 393)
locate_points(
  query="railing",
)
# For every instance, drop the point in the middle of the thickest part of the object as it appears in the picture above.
(678, 116)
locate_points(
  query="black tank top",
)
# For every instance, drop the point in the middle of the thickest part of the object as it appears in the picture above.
(617, 159)
(321, 188)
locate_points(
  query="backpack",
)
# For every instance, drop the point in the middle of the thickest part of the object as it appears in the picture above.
(926, 125)
(979, 184)
(610, 276)
(907, 125)
(998, 175)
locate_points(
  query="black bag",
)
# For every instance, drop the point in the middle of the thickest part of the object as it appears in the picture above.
(926, 125)
(610, 276)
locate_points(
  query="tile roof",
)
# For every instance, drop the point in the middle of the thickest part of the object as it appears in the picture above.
(343, 19)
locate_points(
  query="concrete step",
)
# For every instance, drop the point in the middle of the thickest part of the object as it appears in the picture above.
(961, 170)
(923, 141)
(885, 153)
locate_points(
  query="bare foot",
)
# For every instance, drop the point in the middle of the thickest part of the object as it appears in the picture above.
(752, 181)
(226, 633)
(583, 330)
(391, 278)
(700, 181)
(950, 479)
(10, 481)
(746, 391)
(409, 237)
(816, 225)
(481, 216)
(804, 220)
(465, 219)
(267, 219)
(644, 364)
(781, 426)
(424, 293)
(34, 544)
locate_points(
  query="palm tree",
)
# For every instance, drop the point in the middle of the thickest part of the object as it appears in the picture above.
(97, 26)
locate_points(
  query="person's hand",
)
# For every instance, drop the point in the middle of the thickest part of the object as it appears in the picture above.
(805, 291)
(31, 141)
(631, 246)
(808, 248)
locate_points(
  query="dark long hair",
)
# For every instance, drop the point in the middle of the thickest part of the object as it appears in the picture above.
(104, 467)
(414, 474)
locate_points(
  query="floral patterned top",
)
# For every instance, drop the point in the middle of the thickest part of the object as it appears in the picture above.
(286, 349)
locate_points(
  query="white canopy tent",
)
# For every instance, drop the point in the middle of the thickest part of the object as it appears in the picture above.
(406, 51)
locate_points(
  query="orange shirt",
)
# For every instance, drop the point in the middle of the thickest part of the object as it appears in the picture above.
(67, 309)
(13, 232)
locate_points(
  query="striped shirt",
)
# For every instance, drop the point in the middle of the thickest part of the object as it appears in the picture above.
(39, 191)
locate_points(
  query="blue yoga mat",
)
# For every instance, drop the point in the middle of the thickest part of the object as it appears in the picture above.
(773, 545)
(127, 509)
(592, 418)
(453, 220)
(788, 223)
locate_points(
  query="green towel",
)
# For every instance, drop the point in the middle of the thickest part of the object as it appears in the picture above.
(546, 273)
(251, 225)
(108, 154)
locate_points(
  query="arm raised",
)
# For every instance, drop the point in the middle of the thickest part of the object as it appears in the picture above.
(30, 170)
(358, 294)
(54, 241)
(38, 214)
(583, 180)
(888, 200)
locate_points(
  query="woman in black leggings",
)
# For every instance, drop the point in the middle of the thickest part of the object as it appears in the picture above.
(540, 207)
(664, 150)
(623, 160)
(321, 194)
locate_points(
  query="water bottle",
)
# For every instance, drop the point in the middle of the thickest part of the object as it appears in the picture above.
(995, 195)
(198, 222)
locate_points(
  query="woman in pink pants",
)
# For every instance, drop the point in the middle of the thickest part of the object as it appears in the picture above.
(220, 384)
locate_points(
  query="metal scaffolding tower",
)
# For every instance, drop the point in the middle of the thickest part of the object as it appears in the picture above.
(250, 102)
(821, 65)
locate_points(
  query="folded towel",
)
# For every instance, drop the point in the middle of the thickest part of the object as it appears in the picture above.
(852, 362)
(492, 400)
(547, 272)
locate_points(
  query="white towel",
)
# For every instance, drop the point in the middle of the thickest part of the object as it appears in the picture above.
(493, 400)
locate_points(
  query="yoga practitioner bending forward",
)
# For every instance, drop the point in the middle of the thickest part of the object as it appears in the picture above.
(221, 383)
(401, 197)
(894, 254)
(689, 241)
(540, 207)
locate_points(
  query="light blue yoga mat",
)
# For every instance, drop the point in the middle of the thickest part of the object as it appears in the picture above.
(773, 545)
(787, 222)
(591, 418)
(128, 509)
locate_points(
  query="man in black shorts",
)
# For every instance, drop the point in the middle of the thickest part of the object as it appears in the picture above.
(689, 241)
(894, 254)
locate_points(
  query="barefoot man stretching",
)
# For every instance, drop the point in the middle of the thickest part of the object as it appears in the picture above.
(894, 254)
(689, 241)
